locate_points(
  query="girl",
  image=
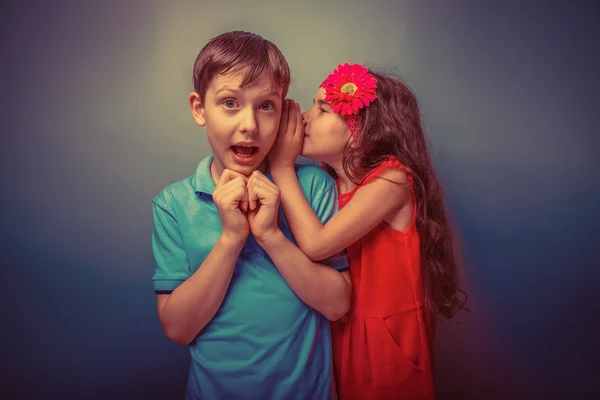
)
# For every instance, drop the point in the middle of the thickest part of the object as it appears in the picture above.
(365, 129)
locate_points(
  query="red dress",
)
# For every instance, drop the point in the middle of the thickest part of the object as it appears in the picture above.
(383, 348)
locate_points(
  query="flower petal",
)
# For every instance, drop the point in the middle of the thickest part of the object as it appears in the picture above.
(343, 102)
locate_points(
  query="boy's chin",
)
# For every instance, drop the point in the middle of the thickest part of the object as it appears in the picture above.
(243, 169)
(247, 170)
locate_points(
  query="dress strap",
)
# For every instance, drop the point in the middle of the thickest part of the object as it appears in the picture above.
(392, 162)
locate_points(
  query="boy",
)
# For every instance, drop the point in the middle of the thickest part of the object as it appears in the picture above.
(230, 281)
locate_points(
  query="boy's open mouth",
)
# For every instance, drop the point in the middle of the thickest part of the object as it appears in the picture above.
(244, 150)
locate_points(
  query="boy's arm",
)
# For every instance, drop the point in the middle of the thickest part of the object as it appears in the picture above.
(369, 206)
(186, 311)
(320, 286)
(187, 304)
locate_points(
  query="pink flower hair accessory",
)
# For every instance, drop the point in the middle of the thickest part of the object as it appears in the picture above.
(349, 89)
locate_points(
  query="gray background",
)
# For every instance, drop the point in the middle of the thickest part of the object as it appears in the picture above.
(94, 122)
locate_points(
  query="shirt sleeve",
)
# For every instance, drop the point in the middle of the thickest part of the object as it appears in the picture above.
(325, 205)
(170, 262)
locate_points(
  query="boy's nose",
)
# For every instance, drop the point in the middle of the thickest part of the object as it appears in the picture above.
(248, 122)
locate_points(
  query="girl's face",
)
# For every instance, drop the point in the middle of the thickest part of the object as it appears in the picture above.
(325, 133)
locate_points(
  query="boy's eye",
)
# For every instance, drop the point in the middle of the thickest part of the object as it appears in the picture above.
(267, 106)
(321, 110)
(230, 103)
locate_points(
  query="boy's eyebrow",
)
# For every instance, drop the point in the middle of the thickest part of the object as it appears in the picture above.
(272, 93)
(237, 90)
(226, 89)
(322, 102)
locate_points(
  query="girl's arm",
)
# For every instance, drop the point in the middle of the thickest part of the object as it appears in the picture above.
(370, 205)
(320, 286)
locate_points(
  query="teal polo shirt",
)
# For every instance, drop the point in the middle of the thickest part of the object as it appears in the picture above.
(264, 342)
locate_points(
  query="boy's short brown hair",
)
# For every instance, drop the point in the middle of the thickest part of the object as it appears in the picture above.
(235, 51)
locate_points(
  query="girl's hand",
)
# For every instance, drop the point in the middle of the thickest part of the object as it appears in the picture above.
(289, 140)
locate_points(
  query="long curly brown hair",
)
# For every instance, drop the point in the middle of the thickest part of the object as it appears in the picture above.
(392, 126)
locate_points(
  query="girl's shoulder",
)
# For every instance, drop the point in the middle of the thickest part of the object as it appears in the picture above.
(392, 170)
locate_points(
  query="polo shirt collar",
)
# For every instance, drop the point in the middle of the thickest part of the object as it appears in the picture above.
(203, 181)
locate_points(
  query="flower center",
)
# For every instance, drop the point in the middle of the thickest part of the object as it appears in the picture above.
(349, 88)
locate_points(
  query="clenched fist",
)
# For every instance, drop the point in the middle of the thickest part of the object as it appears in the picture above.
(263, 206)
(231, 199)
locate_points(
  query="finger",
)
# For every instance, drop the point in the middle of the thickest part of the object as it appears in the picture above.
(262, 189)
(237, 200)
(255, 174)
(235, 192)
(232, 181)
(244, 200)
(284, 117)
(258, 176)
(292, 117)
(240, 181)
(236, 186)
(223, 188)
(229, 175)
(263, 193)
(252, 198)
(299, 122)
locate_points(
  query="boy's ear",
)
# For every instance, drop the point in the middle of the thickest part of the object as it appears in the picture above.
(197, 108)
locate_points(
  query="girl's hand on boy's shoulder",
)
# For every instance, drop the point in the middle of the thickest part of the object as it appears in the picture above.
(288, 145)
